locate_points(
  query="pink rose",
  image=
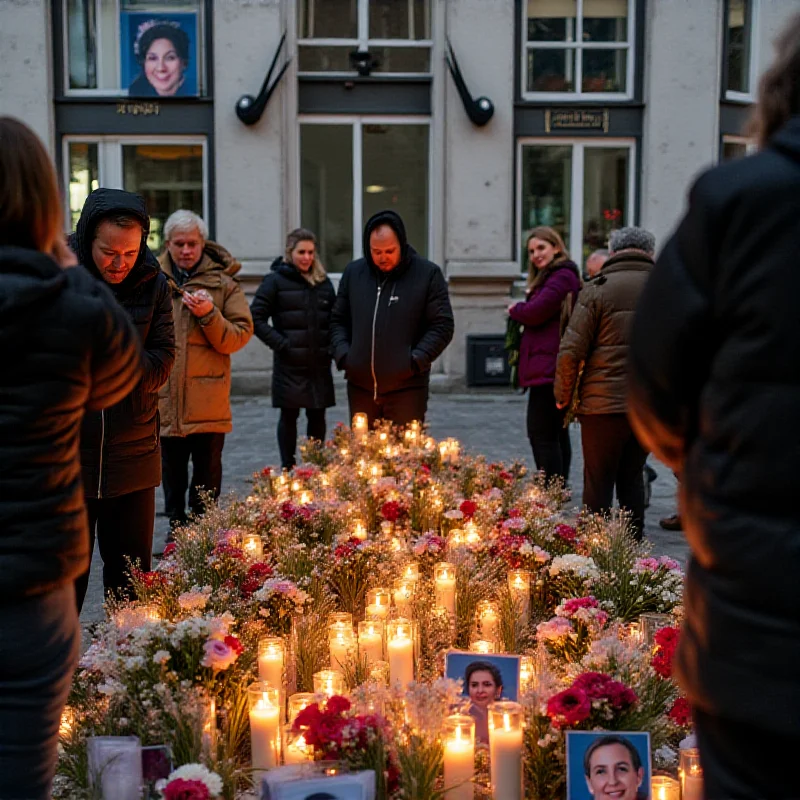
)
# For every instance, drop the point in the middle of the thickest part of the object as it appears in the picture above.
(219, 655)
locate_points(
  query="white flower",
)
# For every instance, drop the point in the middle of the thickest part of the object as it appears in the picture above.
(197, 772)
(134, 662)
(665, 756)
(583, 566)
(194, 600)
(161, 657)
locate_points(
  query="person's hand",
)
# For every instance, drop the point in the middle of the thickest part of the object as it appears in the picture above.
(561, 406)
(62, 253)
(199, 303)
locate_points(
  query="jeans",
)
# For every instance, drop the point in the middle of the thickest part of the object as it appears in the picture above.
(399, 408)
(613, 458)
(124, 528)
(287, 431)
(549, 439)
(39, 647)
(205, 451)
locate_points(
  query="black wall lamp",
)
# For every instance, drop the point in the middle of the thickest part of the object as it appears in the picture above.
(249, 109)
(363, 62)
(479, 110)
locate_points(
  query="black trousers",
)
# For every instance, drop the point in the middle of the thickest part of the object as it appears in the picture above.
(549, 439)
(287, 431)
(205, 451)
(613, 458)
(743, 762)
(123, 526)
(400, 407)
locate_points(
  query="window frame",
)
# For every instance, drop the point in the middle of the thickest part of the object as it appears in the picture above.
(578, 145)
(357, 121)
(578, 47)
(363, 42)
(753, 49)
(120, 92)
(109, 161)
(729, 138)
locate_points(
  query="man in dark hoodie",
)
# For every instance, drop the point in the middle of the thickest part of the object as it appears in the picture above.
(392, 318)
(120, 452)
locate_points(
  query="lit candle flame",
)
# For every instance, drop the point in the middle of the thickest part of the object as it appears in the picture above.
(506, 721)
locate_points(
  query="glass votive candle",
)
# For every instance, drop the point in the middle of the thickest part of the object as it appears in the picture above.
(375, 471)
(651, 624)
(519, 584)
(488, 618)
(444, 452)
(264, 702)
(444, 579)
(252, 546)
(361, 425)
(343, 617)
(404, 596)
(306, 497)
(482, 646)
(379, 672)
(505, 749)
(458, 738)
(271, 657)
(664, 787)
(370, 640)
(378, 602)
(296, 486)
(209, 728)
(471, 533)
(411, 571)
(400, 650)
(525, 673)
(67, 723)
(359, 530)
(342, 643)
(295, 748)
(297, 702)
(691, 773)
(329, 682)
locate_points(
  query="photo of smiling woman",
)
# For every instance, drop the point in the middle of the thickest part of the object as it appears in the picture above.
(614, 766)
(162, 51)
(484, 684)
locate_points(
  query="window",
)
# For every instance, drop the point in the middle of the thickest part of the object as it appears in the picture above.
(354, 167)
(734, 147)
(577, 49)
(134, 48)
(582, 189)
(170, 173)
(383, 36)
(740, 60)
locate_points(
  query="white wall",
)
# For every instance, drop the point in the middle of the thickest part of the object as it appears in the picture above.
(26, 68)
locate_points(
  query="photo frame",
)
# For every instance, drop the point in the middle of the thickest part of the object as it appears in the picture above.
(620, 757)
(139, 30)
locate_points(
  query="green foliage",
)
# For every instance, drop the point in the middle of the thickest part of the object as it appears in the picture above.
(420, 760)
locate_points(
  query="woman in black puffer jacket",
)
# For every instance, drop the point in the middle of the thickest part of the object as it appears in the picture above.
(298, 296)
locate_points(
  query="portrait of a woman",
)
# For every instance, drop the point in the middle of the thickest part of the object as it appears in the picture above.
(613, 769)
(484, 685)
(162, 51)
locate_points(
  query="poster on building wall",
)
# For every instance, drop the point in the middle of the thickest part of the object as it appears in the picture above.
(159, 54)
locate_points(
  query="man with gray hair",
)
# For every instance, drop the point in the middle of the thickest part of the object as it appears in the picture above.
(595, 262)
(212, 321)
(591, 375)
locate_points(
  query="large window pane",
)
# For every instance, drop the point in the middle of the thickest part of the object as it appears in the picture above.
(395, 176)
(738, 46)
(551, 70)
(732, 150)
(605, 194)
(552, 20)
(402, 59)
(84, 177)
(324, 58)
(605, 20)
(326, 176)
(327, 19)
(399, 19)
(168, 176)
(546, 189)
(604, 70)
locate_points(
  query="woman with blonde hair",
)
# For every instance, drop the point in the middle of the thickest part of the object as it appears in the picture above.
(298, 296)
(714, 392)
(553, 283)
(73, 349)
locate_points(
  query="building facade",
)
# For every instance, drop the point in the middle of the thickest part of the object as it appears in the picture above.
(475, 119)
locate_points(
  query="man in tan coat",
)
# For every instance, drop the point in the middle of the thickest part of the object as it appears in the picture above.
(212, 320)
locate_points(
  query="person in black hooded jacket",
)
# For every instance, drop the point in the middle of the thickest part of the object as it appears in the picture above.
(68, 346)
(392, 318)
(298, 296)
(120, 452)
(715, 392)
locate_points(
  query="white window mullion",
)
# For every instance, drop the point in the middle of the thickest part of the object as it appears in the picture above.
(629, 211)
(363, 24)
(110, 164)
(358, 192)
(576, 206)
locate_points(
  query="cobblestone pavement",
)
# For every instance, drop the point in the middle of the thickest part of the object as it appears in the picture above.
(491, 424)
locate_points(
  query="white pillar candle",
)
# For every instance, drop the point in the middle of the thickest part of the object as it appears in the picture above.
(270, 661)
(297, 702)
(342, 644)
(519, 584)
(489, 620)
(400, 649)
(663, 787)
(378, 602)
(411, 571)
(691, 773)
(403, 596)
(370, 640)
(445, 584)
(328, 682)
(471, 533)
(296, 750)
(458, 733)
(264, 725)
(505, 750)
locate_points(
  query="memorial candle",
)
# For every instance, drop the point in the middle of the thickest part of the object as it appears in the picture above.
(360, 423)
(663, 787)
(691, 773)
(359, 531)
(297, 702)
(370, 640)
(482, 646)
(400, 649)
(458, 733)
(445, 583)
(328, 682)
(403, 596)
(342, 643)
(378, 602)
(489, 620)
(519, 584)
(253, 547)
(505, 750)
(264, 725)
(271, 652)
(471, 533)
(295, 749)
(411, 571)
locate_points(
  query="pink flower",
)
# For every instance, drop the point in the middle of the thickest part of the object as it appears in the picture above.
(169, 549)
(566, 532)
(555, 628)
(468, 508)
(181, 789)
(218, 655)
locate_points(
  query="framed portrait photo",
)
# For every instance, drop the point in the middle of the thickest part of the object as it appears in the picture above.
(159, 54)
(605, 764)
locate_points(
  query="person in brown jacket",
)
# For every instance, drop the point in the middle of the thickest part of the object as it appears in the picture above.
(212, 320)
(592, 367)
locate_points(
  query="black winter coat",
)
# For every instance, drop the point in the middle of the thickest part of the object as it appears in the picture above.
(715, 392)
(68, 346)
(299, 336)
(120, 450)
(388, 328)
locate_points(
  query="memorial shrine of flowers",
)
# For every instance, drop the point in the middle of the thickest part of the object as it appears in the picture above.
(312, 623)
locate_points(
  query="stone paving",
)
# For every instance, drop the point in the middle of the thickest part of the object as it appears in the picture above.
(489, 423)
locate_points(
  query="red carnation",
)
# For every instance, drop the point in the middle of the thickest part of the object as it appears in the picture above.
(681, 713)
(266, 472)
(666, 641)
(309, 717)
(393, 511)
(566, 532)
(169, 549)
(468, 508)
(181, 789)
(569, 708)
(259, 571)
(337, 704)
(234, 644)
(288, 509)
(248, 587)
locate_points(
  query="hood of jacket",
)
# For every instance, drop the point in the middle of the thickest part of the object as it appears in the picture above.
(787, 139)
(395, 222)
(28, 279)
(626, 260)
(215, 258)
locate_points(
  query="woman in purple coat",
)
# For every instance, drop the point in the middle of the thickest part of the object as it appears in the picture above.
(552, 279)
